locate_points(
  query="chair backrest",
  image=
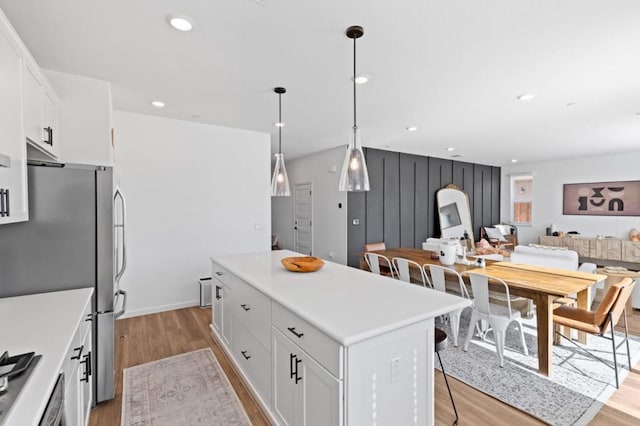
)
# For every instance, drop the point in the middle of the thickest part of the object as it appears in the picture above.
(373, 261)
(403, 271)
(614, 302)
(375, 246)
(480, 288)
(438, 279)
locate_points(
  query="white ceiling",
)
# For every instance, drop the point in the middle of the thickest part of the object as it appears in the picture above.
(452, 68)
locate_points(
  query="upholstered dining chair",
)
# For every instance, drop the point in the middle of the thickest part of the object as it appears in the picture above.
(373, 262)
(375, 246)
(612, 307)
(403, 271)
(499, 317)
(439, 283)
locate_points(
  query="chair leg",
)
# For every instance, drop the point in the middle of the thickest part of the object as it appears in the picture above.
(613, 343)
(524, 343)
(500, 337)
(448, 388)
(455, 326)
(626, 337)
(472, 324)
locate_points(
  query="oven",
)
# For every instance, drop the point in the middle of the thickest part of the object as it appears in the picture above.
(54, 413)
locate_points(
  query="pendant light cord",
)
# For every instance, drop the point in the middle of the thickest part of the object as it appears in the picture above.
(355, 125)
(280, 122)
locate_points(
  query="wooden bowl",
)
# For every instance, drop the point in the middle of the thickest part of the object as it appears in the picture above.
(302, 263)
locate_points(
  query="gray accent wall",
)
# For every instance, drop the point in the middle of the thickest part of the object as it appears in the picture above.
(400, 209)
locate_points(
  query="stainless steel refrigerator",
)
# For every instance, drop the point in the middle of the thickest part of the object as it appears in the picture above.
(74, 238)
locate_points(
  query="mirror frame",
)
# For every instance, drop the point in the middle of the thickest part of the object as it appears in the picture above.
(452, 194)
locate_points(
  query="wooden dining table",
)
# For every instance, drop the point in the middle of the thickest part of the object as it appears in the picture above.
(542, 285)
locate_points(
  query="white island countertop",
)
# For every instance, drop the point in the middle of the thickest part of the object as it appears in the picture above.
(348, 304)
(45, 324)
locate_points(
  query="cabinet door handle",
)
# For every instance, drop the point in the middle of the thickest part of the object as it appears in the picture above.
(49, 140)
(244, 354)
(298, 378)
(245, 307)
(219, 274)
(79, 350)
(292, 373)
(2, 214)
(293, 330)
(7, 209)
(87, 368)
(218, 288)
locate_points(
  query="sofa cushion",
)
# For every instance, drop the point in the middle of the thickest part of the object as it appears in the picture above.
(561, 259)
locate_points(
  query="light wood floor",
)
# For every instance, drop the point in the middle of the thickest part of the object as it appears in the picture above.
(152, 337)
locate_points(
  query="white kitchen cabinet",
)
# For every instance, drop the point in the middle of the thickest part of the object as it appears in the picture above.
(217, 313)
(13, 167)
(40, 113)
(77, 369)
(304, 392)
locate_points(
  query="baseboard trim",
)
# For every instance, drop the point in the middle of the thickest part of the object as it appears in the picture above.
(161, 308)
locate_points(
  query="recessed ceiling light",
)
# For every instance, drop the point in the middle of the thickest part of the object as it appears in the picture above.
(449, 149)
(412, 128)
(514, 160)
(526, 97)
(180, 22)
(158, 104)
(279, 124)
(361, 78)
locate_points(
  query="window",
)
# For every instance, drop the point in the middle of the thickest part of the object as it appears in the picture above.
(522, 198)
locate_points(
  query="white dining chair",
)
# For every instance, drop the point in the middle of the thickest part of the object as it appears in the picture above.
(403, 270)
(374, 260)
(439, 283)
(498, 317)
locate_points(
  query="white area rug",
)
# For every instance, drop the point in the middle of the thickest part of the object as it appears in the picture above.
(187, 389)
(576, 390)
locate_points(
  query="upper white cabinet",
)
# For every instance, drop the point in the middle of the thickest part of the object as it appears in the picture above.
(40, 113)
(13, 166)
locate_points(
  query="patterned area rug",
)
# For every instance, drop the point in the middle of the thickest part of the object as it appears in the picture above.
(575, 392)
(187, 389)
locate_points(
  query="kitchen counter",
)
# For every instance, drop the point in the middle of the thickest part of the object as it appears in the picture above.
(45, 324)
(347, 304)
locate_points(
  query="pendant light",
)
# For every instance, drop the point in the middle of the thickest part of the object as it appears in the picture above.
(280, 180)
(354, 176)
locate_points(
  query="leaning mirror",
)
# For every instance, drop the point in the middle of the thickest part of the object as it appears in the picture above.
(454, 213)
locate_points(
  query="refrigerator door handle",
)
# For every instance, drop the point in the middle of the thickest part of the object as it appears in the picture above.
(121, 311)
(123, 225)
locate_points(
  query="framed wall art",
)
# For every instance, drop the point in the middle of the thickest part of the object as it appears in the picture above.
(602, 198)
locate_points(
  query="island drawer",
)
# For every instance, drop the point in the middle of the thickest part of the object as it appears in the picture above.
(253, 309)
(222, 275)
(253, 359)
(326, 351)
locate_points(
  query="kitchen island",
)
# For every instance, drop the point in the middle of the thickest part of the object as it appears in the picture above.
(339, 346)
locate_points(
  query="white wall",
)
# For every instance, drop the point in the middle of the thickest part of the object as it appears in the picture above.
(84, 118)
(193, 191)
(547, 194)
(329, 221)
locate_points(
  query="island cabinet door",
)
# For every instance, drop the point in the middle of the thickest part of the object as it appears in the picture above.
(217, 296)
(305, 393)
(225, 314)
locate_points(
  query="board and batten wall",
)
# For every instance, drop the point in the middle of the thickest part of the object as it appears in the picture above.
(548, 180)
(400, 209)
(329, 210)
(193, 191)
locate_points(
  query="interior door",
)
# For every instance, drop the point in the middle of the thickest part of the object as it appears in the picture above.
(302, 215)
